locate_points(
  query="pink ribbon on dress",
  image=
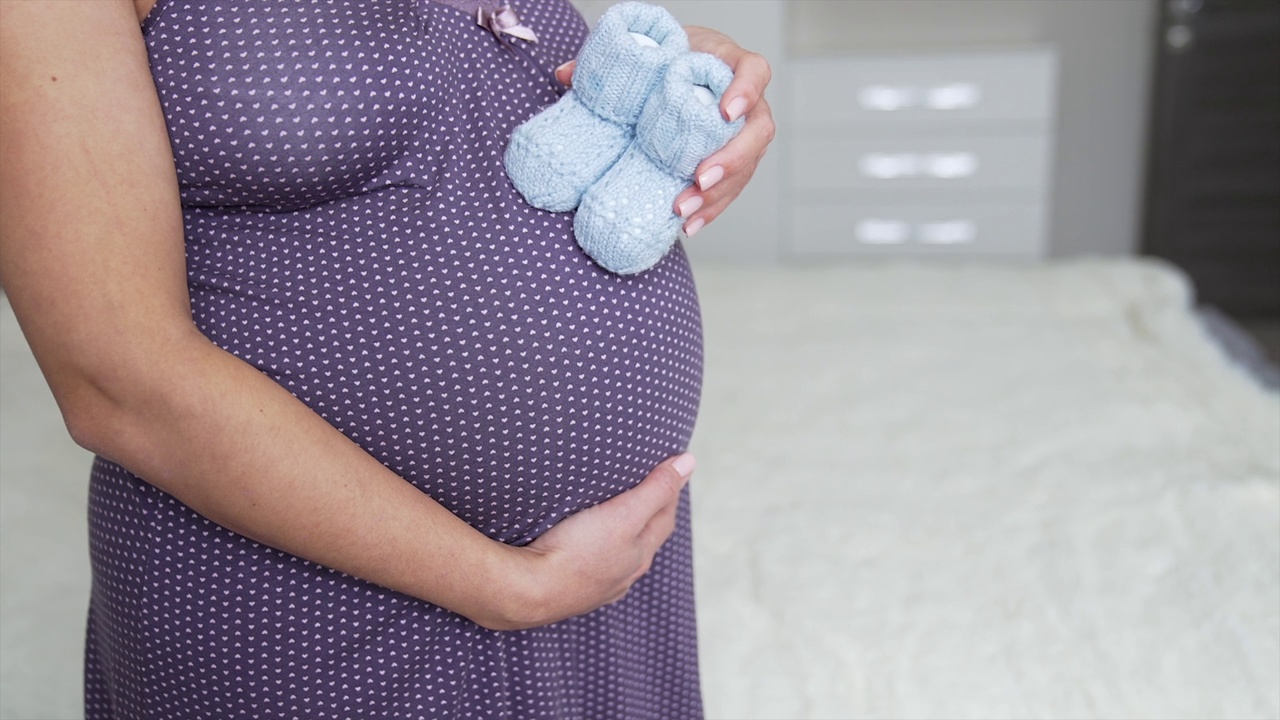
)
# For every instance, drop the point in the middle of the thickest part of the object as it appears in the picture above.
(504, 20)
(495, 15)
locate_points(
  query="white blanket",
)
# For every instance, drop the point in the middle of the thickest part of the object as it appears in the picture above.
(988, 492)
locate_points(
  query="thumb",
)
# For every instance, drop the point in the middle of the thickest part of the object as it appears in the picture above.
(564, 73)
(658, 489)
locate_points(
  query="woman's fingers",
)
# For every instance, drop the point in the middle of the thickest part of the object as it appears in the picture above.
(751, 75)
(663, 522)
(751, 72)
(741, 153)
(659, 528)
(662, 486)
(722, 177)
(564, 73)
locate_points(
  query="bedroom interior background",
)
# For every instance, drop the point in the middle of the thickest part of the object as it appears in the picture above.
(1065, 499)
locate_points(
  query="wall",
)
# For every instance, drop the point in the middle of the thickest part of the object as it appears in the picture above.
(1105, 58)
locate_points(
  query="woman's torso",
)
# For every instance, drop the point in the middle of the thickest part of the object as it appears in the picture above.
(350, 231)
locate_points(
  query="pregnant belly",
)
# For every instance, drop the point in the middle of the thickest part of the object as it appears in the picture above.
(509, 378)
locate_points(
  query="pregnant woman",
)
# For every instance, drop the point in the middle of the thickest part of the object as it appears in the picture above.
(375, 438)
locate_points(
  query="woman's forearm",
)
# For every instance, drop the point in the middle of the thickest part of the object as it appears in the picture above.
(236, 447)
(91, 239)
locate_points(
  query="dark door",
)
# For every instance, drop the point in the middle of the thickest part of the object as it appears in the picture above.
(1213, 184)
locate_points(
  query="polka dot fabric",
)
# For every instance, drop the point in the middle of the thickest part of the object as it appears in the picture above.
(350, 232)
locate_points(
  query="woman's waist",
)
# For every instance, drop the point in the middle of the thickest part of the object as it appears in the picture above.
(511, 407)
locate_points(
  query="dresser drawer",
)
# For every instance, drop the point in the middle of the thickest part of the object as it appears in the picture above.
(862, 162)
(826, 229)
(837, 91)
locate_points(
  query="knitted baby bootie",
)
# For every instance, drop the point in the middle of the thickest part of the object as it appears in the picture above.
(556, 155)
(626, 222)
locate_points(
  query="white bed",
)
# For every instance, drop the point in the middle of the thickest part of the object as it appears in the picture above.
(988, 492)
(923, 492)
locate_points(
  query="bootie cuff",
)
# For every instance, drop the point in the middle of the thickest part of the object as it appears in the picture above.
(615, 74)
(676, 129)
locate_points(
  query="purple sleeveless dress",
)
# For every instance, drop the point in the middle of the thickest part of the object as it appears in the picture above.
(351, 233)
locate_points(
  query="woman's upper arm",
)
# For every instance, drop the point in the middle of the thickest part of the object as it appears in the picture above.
(91, 247)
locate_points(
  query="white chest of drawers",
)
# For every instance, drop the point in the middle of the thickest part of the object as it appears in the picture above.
(941, 154)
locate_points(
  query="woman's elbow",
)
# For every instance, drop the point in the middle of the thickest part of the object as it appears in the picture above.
(90, 418)
(111, 401)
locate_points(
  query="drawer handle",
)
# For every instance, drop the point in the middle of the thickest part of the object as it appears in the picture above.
(956, 96)
(951, 165)
(950, 232)
(888, 166)
(887, 98)
(881, 232)
(944, 166)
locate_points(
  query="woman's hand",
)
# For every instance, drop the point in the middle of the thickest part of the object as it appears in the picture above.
(592, 558)
(723, 175)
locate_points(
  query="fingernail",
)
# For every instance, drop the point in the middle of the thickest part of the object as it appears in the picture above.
(690, 206)
(684, 464)
(737, 106)
(693, 227)
(710, 177)
(562, 67)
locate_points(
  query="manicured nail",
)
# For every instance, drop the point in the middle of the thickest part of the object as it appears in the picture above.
(737, 106)
(710, 177)
(684, 464)
(690, 206)
(693, 227)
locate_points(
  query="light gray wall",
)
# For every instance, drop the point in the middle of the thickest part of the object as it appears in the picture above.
(1105, 54)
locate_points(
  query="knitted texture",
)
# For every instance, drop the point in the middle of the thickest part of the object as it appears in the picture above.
(627, 221)
(557, 154)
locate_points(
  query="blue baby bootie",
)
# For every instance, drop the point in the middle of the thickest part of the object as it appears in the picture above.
(557, 154)
(626, 222)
